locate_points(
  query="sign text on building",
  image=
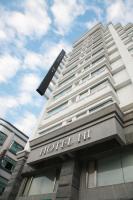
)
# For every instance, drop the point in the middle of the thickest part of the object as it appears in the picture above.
(65, 143)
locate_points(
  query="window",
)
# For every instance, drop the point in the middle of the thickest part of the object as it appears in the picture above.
(69, 78)
(127, 163)
(131, 50)
(73, 61)
(70, 70)
(97, 40)
(81, 114)
(41, 184)
(62, 92)
(109, 171)
(57, 109)
(98, 59)
(8, 164)
(3, 183)
(96, 45)
(85, 77)
(83, 94)
(97, 52)
(86, 67)
(98, 87)
(99, 106)
(88, 57)
(2, 138)
(91, 174)
(115, 168)
(98, 71)
(74, 55)
(15, 147)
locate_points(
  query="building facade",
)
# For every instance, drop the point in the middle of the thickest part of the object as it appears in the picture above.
(11, 141)
(83, 144)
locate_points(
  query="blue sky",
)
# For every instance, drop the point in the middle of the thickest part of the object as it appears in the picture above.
(32, 33)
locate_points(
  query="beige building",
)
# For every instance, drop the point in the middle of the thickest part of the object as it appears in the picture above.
(12, 141)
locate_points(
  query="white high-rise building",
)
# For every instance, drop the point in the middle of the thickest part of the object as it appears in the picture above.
(97, 72)
(83, 144)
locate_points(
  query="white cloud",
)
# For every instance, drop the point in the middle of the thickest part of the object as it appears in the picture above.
(32, 21)
(26, 123)
(29, 82)
(9, 66)
(26, 94)
(119, 11)
(3, 35)
(53, 49)
(6, 34)
(98, 16)
(32, 60)
(92, 23)
(27, 90)
(44, 60)
(7, 103)
(24, 98)
(65, 12)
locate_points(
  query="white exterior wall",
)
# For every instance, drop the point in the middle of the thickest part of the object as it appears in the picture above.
(125, 95)
(121, 77)
(117, 64)
(119, 70)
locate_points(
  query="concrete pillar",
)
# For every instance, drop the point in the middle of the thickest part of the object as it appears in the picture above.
(14, 183)
(68, 187)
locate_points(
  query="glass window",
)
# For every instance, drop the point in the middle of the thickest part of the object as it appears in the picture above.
(70, 70)
(42, 184)
(38, 182)
(3, 183)
(98, 87)
(91, 175)
(97, 52)
(57, 109)
(8, 164)
(112, 169)
(83, 94)
(2, 138)
(99, 106)
(131, 50)
(127, 163)
(81, 114)
(96, 45)
(62, 92)
(109, 171)
(98, 71)
(85, 77)
(86, 67)
(69, 78)
(98, 60)
(15, 147)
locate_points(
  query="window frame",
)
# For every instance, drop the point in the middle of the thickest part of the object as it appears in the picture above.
(5, 137)
(27, 182)
(8, 159)
(11, 150)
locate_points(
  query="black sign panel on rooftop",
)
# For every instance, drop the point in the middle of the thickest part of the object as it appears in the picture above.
(46, 81)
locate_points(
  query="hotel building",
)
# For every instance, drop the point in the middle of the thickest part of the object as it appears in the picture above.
(83, 144)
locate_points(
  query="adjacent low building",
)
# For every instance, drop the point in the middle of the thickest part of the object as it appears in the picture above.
(83, 146)
(12, 141)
